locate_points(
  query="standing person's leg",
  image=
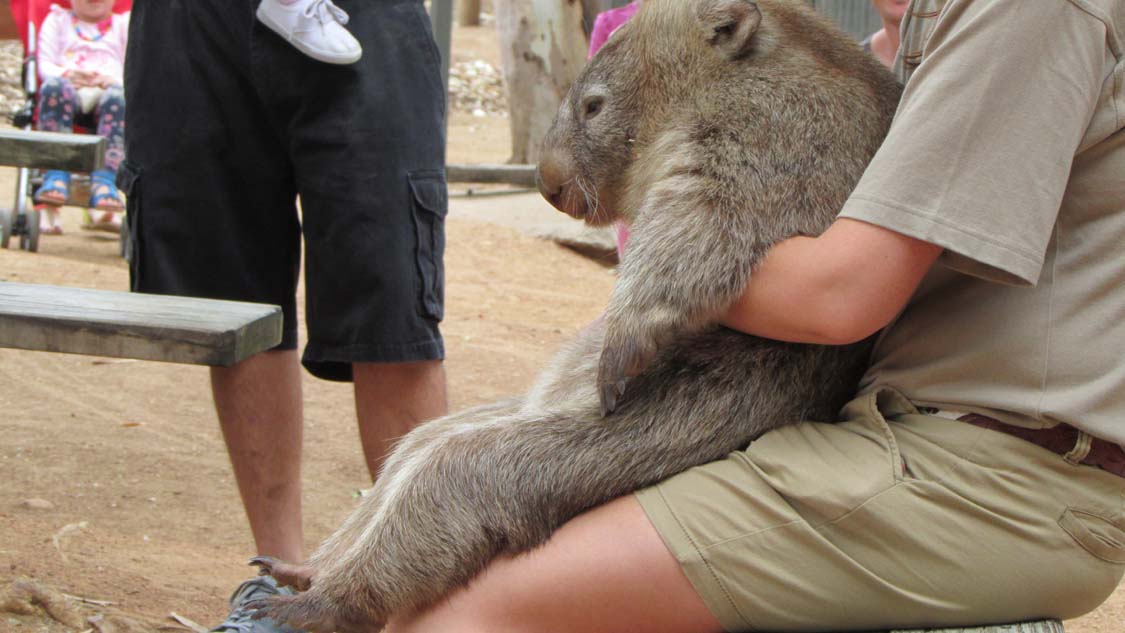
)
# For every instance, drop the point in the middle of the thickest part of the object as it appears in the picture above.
(368, 146)
(212, 213)
(391, 399)
(259, 405)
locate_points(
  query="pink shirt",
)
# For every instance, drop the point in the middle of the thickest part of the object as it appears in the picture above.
(607, 22)
(61, 48)
(604, 25)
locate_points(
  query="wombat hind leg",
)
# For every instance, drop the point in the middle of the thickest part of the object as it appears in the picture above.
(299, 577)
(310, 612)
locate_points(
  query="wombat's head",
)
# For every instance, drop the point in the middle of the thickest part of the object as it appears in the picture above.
(770, 77)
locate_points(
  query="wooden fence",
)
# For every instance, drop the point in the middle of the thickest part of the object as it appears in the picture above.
(857, 17)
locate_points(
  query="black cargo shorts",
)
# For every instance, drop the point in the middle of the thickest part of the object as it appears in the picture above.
(228, 123)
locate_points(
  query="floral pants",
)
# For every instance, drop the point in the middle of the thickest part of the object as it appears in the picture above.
(59, 105)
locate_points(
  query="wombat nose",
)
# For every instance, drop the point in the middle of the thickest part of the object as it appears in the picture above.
(549, 177)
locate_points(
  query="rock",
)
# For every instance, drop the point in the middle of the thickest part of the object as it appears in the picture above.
(37, 504)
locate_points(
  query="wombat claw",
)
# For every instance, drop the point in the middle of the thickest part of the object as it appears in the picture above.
(264, 564)
(297, 612)
(610, 394)
(286, 574)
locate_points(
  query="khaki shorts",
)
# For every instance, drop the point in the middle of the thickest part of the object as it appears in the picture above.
(892, 519)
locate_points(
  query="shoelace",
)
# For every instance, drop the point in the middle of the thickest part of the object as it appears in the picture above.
(325, 11)
(239, 619)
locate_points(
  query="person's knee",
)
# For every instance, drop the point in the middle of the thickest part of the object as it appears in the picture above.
(56, 87)
(468, 616)
(401, 373)
(112, 96)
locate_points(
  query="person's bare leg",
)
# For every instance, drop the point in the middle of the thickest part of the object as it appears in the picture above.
(259, 406)
(391, 399)
(607, 570)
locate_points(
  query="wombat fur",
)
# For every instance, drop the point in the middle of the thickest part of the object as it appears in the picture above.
(716, 128)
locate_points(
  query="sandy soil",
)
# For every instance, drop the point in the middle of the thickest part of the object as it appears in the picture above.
(139, 507)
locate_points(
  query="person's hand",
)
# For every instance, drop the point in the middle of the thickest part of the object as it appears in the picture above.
(81, 78)
(104, 81)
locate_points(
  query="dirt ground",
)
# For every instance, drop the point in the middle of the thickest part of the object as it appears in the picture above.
(114, 483)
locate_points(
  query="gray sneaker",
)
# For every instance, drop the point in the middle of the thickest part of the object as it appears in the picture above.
(240, 618)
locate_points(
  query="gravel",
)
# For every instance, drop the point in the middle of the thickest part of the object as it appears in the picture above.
(11, 93)
(475, 87)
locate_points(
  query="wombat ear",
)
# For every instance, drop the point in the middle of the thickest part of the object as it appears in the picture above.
(729, 25)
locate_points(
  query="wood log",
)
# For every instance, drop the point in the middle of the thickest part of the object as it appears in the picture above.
(133, 325)
(52, 150)
(468, 13)
(519, 175)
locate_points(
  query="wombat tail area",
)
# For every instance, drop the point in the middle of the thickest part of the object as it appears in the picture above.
(477, 489)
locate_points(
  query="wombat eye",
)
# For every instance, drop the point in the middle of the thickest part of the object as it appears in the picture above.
(592, 107)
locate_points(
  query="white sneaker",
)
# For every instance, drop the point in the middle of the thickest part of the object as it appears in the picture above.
(315, 27)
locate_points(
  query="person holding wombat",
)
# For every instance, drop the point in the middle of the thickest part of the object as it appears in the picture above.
(984, 447)
(984, 443)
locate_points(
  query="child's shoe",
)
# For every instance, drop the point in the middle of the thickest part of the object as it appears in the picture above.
(314, 27)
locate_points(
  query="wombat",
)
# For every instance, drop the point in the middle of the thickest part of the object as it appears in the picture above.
(716, 128)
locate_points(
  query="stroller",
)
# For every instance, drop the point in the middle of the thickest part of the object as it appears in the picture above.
(23, 219)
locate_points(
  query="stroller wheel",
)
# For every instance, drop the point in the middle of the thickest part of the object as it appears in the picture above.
(5, 227)
(29, 239)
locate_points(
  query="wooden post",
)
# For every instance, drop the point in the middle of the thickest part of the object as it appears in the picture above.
(469, 13)
(8, 28)
(542, 48)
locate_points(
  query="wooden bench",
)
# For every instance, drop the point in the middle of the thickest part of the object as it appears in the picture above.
(29, 150)
(1044, 626)
(132, 325)
(51, 150)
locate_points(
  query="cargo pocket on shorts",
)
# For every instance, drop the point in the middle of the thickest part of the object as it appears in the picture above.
(1099, 536)
(129, 181)
(429, 204)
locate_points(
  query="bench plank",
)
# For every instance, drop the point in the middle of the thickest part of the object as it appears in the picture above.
(1045, 626)
(52, 150)
(132, 325)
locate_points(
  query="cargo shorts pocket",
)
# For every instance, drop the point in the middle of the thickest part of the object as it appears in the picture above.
(429, 205)
(129, 181)
(1100, 536)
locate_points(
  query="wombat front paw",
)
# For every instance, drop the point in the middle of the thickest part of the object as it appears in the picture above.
(299, 577)
(622, 358)
(306, 611)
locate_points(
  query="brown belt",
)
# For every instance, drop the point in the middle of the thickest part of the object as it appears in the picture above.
(1063, 440)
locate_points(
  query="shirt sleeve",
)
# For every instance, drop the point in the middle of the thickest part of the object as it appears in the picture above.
(979, 154)
(51, 43)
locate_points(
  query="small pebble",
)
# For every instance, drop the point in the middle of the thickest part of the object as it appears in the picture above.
(37, 504)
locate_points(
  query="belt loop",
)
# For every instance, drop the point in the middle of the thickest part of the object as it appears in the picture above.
(1081, 449)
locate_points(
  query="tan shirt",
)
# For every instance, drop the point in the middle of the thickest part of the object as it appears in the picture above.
(1007, 150)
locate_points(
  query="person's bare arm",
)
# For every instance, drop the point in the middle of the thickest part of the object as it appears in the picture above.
(837, 288)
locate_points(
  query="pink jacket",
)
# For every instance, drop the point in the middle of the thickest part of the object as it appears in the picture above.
(62, 49)
(604, 25)
(607, 22)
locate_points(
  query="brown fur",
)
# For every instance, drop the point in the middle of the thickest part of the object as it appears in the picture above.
(717, 128)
